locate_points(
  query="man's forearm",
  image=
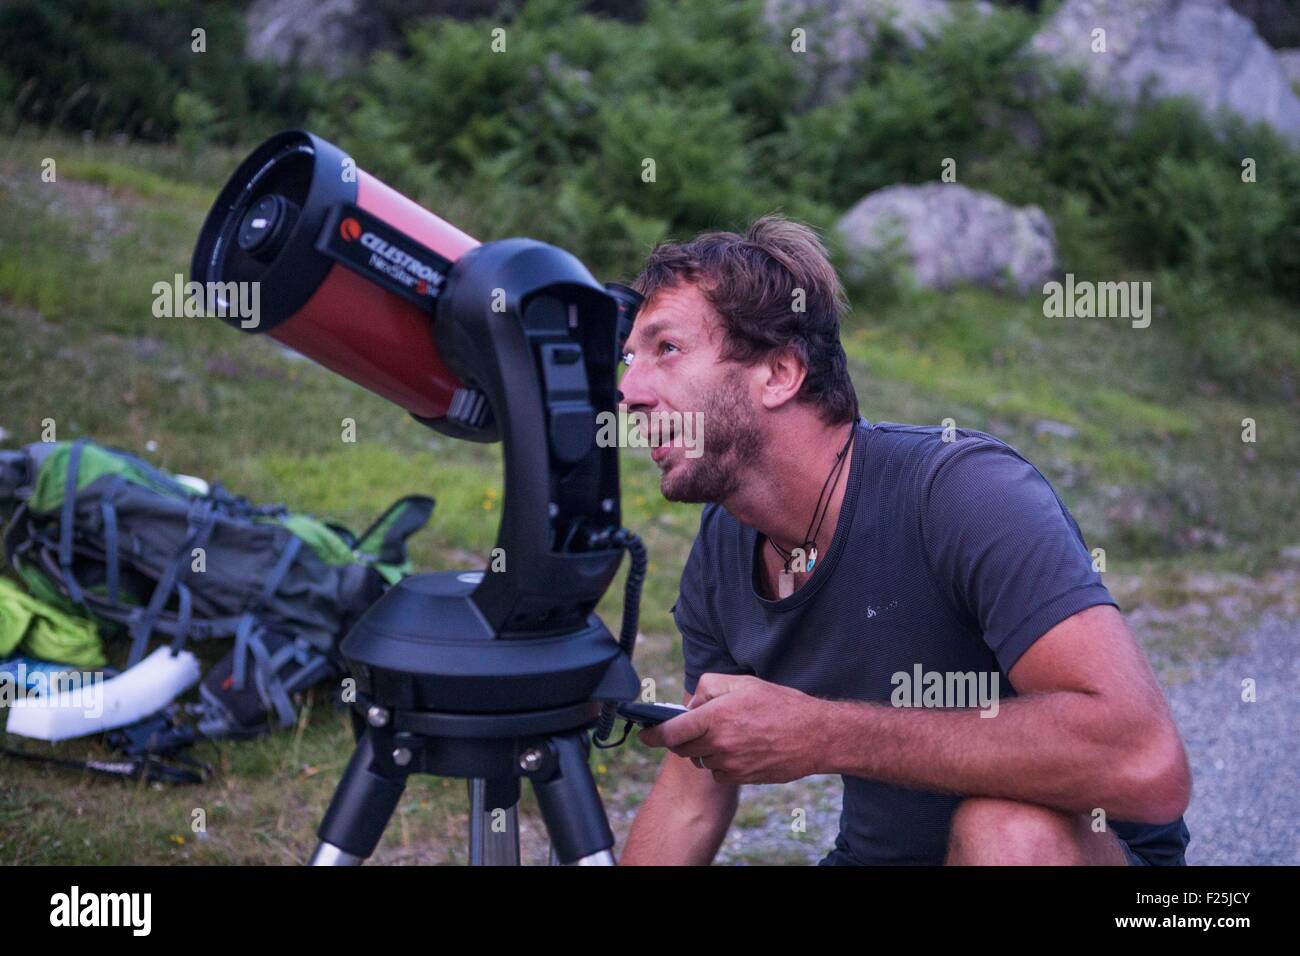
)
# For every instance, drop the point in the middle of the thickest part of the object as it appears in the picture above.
(669, 832)
(1060, 749)
(662, 837)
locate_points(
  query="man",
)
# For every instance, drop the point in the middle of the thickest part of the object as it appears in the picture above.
(843, 567)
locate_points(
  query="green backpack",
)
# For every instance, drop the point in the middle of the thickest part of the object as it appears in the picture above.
(99, 531)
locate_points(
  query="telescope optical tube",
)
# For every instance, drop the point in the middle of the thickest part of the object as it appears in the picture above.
(349, 269)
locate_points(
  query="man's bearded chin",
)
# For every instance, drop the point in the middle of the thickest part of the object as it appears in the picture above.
(733, 444)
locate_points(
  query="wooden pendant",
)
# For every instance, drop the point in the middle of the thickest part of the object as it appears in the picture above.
(785, 584)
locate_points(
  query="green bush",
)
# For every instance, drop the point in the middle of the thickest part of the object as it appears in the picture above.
(116, 66)
(553, 134)
(955, 97)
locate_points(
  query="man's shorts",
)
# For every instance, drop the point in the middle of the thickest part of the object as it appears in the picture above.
(838, 857)
(1164, 845)
(1134, 857)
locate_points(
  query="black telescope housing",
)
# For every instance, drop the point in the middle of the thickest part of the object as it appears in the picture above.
(491, 675)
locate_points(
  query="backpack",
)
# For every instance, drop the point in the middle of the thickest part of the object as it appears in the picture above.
(100, 532)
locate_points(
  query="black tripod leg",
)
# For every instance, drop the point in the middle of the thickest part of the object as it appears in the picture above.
(362, 805)
(571, 806)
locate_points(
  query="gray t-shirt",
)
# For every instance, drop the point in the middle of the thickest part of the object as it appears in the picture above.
(949, 557)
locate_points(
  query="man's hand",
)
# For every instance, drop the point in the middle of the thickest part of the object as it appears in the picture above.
(746, 730)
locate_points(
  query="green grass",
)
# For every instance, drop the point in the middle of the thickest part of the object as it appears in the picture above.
(1152, 457)
(1153, 464)
(121, 178)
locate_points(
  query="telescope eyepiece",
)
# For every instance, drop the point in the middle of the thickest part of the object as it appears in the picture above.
(266, 225)
(629, 301)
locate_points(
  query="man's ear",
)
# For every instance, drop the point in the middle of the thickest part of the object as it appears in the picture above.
(782, 375)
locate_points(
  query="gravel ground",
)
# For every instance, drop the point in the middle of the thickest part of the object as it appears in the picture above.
(1245, 758)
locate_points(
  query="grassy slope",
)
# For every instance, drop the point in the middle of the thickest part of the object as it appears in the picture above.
(78, 259)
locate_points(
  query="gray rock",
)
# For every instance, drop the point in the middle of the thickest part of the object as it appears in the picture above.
(1046, 426)
(951, 235)
(1200, 49)
(840, 33)
(1278, 21)
(1290, 60)
(329, 35)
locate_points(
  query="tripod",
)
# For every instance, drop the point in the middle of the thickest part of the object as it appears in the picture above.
(494, 751)
(498, 676)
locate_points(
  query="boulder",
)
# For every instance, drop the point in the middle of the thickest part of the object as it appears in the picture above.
(330, 35)
(1290, 60)
(1200, 49)
(335, 35)
(840, 33)
(950, 235)
(1278, 21)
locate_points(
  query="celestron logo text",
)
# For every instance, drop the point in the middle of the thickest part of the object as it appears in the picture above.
(413, 271)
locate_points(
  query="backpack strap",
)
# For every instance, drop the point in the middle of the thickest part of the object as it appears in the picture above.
(270, 681)
(287, 556)
(243, 635)
(249, 627)
(183, 618)
(201, 518)
(251, 642)
(385, 539)
(67, 521)
(112, 570)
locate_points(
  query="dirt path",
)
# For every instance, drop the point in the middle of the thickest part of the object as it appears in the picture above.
(1245, 755)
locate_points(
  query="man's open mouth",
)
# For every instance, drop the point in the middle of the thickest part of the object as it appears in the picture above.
(662, 441)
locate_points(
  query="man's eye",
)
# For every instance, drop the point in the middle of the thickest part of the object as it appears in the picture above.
(667, 345)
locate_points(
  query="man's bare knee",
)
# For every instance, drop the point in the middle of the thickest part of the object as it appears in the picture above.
(991, 831)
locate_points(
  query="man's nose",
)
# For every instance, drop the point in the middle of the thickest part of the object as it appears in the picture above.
(631, 391)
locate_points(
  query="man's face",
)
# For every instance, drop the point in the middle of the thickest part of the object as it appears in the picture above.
(676, 371)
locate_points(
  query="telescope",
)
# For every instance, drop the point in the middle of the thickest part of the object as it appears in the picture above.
(496, 675)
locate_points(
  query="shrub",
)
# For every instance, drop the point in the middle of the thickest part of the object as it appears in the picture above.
(116, 66)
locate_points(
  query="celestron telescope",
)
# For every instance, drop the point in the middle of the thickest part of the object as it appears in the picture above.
(492, 676)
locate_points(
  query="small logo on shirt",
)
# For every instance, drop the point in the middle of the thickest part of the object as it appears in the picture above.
(874, 609)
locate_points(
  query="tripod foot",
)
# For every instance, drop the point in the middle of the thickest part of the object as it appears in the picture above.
(327, 854)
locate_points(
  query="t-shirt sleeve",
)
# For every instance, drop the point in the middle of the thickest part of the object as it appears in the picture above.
(1003, 547)
(703, 647)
